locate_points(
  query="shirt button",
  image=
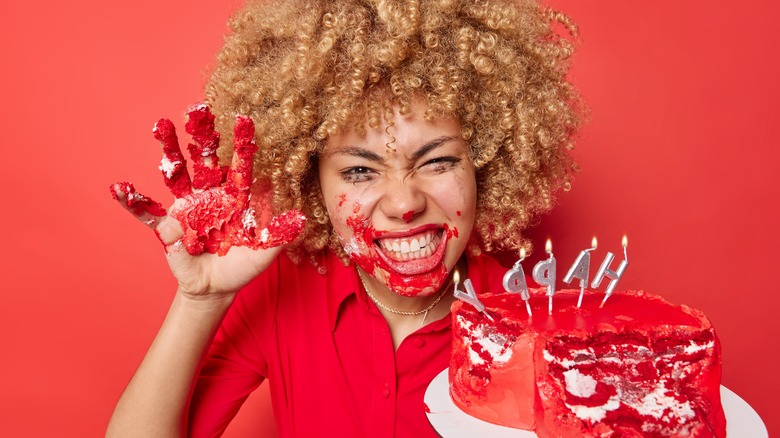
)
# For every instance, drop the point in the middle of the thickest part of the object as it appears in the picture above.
(386, 391)
(419, 342)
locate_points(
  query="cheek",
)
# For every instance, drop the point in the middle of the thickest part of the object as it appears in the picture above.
(458, 198)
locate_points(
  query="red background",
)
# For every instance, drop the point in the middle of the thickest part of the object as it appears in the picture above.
(678, 155)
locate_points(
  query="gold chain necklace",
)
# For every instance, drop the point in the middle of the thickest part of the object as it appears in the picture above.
(403, 312)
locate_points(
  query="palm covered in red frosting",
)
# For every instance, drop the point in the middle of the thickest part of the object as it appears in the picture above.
(212, 212)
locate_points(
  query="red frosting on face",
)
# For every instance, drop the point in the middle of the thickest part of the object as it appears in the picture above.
(363, 251)
(408, 216)
(451, 232)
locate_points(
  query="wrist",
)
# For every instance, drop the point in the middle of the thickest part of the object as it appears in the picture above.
(204, 301)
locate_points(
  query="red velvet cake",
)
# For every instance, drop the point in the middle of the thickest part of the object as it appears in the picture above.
(637, 367)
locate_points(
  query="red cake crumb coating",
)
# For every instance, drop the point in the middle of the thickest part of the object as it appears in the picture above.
(136, 202)
(637, 367)
(213, 224)
(173, 165)
(217, 217)
(200, 125)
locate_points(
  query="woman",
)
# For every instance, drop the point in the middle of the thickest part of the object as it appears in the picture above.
(414, 136)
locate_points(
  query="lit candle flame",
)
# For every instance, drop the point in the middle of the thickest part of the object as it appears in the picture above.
(456, 277)
(625, 245)
(522, 254)
(594, 243)
(548, 247)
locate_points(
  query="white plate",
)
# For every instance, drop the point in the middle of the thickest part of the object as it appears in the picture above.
(450, 422)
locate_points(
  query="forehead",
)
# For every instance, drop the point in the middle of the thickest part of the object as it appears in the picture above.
(398, 132)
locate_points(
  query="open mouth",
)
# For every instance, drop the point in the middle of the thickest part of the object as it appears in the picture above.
(414, 253)
(411, 248)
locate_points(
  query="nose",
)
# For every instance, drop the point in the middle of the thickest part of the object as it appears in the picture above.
(402, 200)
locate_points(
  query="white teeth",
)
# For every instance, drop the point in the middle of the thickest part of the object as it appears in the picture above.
(422, 245)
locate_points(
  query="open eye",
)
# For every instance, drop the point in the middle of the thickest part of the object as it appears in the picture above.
(357, 174)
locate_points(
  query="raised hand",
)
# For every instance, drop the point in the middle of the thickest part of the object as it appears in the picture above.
(213, 212)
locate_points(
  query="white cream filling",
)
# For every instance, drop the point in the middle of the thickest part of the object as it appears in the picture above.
(248, 219)
(695, 348)
(495, 345)
(135, 196)
(650, 402)
(578, 384)
(595, 413)
(568, 363)
(168, 166)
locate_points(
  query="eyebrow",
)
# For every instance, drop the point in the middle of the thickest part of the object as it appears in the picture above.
(359, 152)
(431, 145)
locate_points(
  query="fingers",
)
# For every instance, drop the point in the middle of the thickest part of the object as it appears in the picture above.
(207, 172)
(282, 229)
(144, 209)
(173, 164)
(239, 178)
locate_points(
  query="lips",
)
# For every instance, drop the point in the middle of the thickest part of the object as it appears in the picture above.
(414, 252)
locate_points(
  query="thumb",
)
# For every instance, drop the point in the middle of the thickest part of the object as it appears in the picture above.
(145, 209)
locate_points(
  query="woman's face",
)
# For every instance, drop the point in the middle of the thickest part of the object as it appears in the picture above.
(402, 199)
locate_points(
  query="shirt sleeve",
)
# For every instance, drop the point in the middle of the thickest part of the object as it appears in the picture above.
(236, 363)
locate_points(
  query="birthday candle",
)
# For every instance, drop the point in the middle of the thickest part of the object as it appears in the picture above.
(544, 274)
(615, 275)
(581, 270)
(514, 282)
(470, 296)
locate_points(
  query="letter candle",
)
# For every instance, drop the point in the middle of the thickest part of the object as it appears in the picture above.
(604, 271)
(514, 281)
(470, 296)
(544, 274)
(581, 269)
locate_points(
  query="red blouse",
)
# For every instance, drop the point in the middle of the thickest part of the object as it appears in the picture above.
(327, 354)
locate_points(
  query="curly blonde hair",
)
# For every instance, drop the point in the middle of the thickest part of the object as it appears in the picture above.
(305, 69)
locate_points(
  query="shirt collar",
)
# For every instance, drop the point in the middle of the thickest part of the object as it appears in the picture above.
(343, 281)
